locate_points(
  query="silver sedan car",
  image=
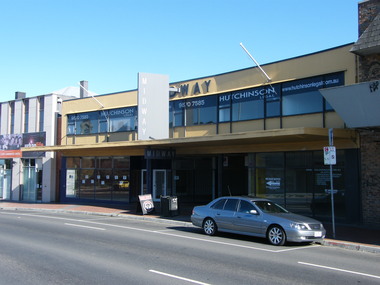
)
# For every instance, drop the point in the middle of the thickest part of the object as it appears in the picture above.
(256, 217)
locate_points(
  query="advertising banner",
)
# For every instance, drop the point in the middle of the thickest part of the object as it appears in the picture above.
(33, 140)
(10, 145)
(146, 203)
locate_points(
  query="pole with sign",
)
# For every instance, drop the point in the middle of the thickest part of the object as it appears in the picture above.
(330, 159)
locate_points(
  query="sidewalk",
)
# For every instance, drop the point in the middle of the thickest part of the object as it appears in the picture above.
(349, 237)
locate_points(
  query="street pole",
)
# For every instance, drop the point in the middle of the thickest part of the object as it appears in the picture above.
(331, 143)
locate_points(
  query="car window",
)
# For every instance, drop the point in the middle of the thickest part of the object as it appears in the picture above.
(231, 205)
(270, 207)
(245, 207)
(219, 205)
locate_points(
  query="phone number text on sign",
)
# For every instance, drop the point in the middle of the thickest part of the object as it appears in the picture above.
(194, 103)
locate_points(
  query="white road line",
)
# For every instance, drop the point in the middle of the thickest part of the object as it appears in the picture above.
(341, 270)
(86, 227)
(178, 277)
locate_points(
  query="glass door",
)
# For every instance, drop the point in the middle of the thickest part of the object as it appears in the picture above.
(5, 178)
(159, 184)
(29, 192)
(1, 180)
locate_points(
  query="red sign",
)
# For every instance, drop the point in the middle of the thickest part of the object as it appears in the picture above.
(10, 153)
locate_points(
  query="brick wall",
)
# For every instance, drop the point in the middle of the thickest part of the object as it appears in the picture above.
(367, 11)
(370, 175)
(369, 68)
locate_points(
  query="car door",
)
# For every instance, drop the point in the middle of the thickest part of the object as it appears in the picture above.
(225, 218)
(246, 221)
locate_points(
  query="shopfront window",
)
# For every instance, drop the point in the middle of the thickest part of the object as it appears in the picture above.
(104, 124)
(270, 176)
(123, 119)
(302, 96)
(301, 182)
(225, 107)
(115, 120)
(177, 111)
(201, 111)
(98, 178)
(273, 107)
(321, 204)
(247, 105)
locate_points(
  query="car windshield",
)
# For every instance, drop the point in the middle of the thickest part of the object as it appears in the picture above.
(270, 207)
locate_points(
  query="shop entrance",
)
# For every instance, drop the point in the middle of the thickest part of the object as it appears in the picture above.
(32, 180)
(5, 179)
(159, 182)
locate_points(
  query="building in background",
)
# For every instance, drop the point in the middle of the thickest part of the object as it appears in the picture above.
(233, 133)
(30, 122)
(358, 105)
(238, 133)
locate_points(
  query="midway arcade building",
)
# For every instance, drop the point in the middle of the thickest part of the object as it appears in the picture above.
(230, 134)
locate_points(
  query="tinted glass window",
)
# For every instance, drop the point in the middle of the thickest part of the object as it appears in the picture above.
(303, 103)
(245, 207)
(177, 113)
(201, 111)
(123, 119)
(231, 205)
(225, 107)
(302, 96)
(219, 204)
(270, 207)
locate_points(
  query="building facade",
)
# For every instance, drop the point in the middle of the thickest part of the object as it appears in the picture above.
(238, 133)
(229, 134)
(361, 114)
(25, 123)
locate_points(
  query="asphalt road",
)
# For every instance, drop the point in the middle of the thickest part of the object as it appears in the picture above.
(51, 248)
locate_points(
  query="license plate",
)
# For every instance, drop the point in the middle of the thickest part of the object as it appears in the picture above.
(317, 234)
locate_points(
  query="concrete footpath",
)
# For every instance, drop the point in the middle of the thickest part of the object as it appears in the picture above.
(348, 237)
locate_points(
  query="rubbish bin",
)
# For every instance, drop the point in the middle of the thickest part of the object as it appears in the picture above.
(169, 206)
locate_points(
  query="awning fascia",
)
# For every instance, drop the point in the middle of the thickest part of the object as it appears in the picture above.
(290, 139)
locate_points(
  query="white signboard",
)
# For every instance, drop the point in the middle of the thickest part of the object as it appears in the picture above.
(329, 155)
(153, 106)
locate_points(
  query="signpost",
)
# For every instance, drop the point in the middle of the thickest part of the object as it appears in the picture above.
(330, 159)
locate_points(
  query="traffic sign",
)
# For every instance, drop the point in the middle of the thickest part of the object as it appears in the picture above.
(329, 155)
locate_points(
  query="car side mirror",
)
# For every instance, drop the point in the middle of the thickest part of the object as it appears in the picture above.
(253, 212)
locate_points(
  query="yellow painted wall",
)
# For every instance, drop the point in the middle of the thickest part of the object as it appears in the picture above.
(309, 120)
(324, 62)
(203, 130)
(246, 126)
(272, 123)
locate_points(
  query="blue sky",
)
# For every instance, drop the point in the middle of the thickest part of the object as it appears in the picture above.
(46, 45)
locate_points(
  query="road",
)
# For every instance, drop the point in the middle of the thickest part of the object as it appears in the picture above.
(59, 248)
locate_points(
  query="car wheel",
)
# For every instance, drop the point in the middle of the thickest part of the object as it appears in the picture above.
(276, 235)
(209, 227)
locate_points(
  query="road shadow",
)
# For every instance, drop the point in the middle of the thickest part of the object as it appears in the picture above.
(238, 237)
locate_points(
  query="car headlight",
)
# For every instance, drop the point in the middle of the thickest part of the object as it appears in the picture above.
(300, 226)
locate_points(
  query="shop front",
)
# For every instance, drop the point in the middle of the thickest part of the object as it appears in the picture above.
(201, 171)
(226, 134)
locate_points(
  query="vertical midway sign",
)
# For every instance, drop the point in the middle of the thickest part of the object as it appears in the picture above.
(153, 106)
